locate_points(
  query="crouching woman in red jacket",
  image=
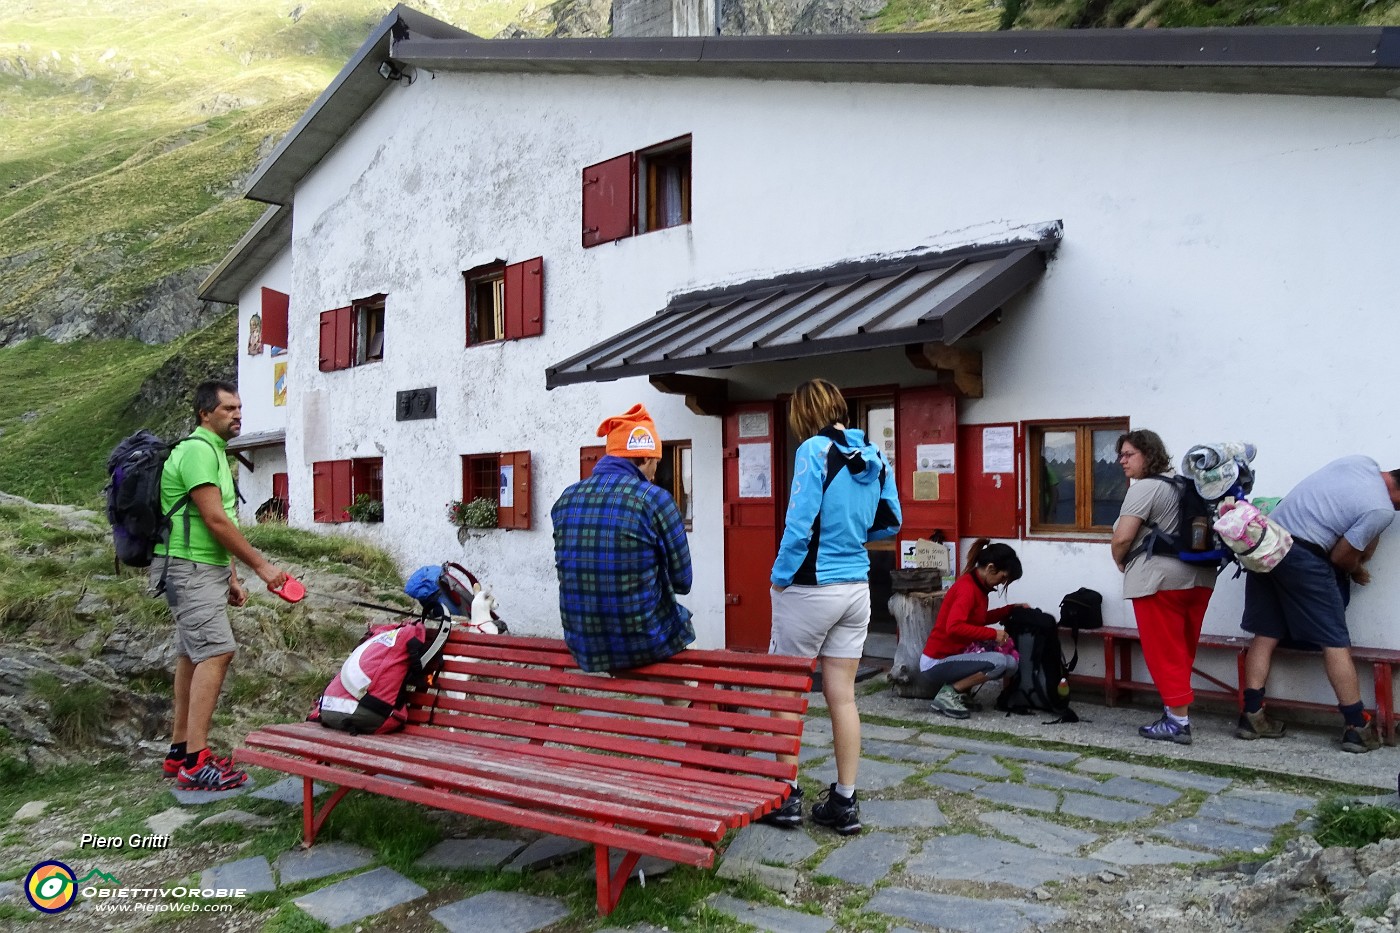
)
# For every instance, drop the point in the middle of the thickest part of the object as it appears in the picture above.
(964, 621)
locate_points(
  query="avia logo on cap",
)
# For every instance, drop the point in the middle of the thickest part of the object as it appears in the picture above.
(640, 439)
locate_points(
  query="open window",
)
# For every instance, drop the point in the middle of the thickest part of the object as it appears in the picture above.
(369, 330)
(663, 178)
(503, 479)
(637, 192)
(353, 335)
(505, 302)
(275, 306)
(1076, 483)
(674, 474)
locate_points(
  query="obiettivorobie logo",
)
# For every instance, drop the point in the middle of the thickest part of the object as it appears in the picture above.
(51, 886)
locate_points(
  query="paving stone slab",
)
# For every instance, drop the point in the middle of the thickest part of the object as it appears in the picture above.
(871, 730)
(980, 858)
(1214, 835)
(759, 842)
(1020, 796)
(1184, 779)
(964, 914)
(865, 859)
(250, 874)
(882, 775)
(962, 783)
(903, 751)
(1277, 798)
(770, 876)
(542, 853)
(500, 912)
(167, 821)
(771, 919)
(1125, 851)
(470, 853)
(1249, 811)
(288, 791)
(648, 865)
(237, 817)
(1054, 777)
(810, 753)
(1103, 809)
(1027, 830)
(1040, 756)
(902, 814)
(985, 765)
(196, 798)
(328, 858)
(359, 896)
(1127, 788)
(816, 731)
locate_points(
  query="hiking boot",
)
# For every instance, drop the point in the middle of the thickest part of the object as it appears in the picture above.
(789, 814)
(839, 813)
(1361, 740)
(170, 767)
(212, 773)
(1258, 726)
(1167, 729)
(950, 703)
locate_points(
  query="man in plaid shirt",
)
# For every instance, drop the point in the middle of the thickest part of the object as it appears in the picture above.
(621, 554)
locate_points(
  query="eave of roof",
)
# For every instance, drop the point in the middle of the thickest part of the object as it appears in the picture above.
(345, 100)
(270, 234)
(1343, 61)
(259, 440)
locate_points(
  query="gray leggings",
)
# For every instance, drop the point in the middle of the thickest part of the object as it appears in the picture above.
(953, 669)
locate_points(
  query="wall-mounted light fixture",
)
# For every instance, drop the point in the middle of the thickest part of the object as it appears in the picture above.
(391, 72)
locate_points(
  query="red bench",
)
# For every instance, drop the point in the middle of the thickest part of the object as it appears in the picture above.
(1118, 674)
(531, 741)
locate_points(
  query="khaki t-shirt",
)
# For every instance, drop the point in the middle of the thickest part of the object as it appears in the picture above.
(1155, 503)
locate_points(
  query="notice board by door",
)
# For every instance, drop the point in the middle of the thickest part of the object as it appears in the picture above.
(989, 480)
(751, 497)
(926, 425)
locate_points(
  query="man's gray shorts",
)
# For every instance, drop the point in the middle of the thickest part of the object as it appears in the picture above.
(821, 621)
(198, 598)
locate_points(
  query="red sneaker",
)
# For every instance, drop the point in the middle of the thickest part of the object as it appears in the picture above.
(211, 773)
(170, 767)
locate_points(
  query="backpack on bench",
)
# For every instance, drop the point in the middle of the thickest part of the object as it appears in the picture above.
(1037, 683)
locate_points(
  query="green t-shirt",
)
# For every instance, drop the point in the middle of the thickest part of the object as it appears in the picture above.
(195, 463)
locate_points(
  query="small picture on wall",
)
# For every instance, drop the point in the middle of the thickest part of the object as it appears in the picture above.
(279, 384)
(255, 344)
(277, 351)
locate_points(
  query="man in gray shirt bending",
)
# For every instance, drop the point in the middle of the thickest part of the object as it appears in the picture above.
(1336, 517)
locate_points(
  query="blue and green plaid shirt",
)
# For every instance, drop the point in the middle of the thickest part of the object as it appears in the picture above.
(621, 553)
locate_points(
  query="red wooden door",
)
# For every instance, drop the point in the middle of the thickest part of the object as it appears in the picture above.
(989, 481)
(926, 425)
(751, 499)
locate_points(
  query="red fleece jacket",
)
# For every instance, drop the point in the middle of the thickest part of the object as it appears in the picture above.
(963, 618)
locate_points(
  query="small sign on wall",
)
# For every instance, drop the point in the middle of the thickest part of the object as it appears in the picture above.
(416, 404)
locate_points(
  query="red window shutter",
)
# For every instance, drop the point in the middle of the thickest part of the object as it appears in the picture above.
(514, 295)
(988, 503)
(588, 458)
(341, 486)
(279, 485)
(327, 344)
(518, 514)
(524, 287)
(274, 317)
(344, 337)
(321, 491)
(609, 200)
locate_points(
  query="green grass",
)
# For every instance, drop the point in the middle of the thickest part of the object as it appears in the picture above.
(77, 712)
(308, 547)
(1342, 821)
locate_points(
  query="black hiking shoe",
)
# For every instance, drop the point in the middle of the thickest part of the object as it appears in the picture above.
(1357, 740)
(789, 814)
(839, 813)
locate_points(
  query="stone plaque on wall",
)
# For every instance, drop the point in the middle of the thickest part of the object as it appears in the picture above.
(416, 404)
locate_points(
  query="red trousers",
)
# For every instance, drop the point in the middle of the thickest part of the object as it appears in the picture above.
(1169, 624)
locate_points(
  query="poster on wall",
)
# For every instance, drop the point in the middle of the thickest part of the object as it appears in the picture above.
(277, 351)
(755, 471)
(255, 343)
(934, 458)
(279, 384)
(998, 450)
(506, 497)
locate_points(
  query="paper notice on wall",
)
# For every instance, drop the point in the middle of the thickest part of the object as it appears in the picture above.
(925, 485)
(934, 458)
(755, 471)
(507, 491)
(931, 554)
(998, 450)
(908, 551)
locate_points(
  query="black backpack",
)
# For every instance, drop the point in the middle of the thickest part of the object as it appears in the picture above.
(133, 499)
(1036, 685)
(1080, 610)
(1193, 540)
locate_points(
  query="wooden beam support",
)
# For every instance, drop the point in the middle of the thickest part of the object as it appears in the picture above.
(242, 458)
(704, 395)
(962, 369)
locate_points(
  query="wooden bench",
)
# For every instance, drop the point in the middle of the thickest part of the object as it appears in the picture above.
(513, 732)
(1118, 674)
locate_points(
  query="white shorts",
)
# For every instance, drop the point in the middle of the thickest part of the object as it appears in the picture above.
(821, 621)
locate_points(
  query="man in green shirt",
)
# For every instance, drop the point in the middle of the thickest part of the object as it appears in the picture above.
(201, 581)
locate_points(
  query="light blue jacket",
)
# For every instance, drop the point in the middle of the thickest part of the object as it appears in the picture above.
(843, 495)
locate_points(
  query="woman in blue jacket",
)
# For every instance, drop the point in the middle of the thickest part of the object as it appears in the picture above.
(843, 496)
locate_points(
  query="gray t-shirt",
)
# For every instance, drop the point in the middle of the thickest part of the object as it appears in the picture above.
(1155, 503)
(1347, 498)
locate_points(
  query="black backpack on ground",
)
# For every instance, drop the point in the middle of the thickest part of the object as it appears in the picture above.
(1036, 685)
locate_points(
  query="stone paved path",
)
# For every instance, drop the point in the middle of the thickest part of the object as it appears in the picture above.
(960, 834)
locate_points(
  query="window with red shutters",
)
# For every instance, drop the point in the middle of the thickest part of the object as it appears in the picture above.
(279, 485)
(610, 200)
(505, 302)
(337, 484)
(588, 458)
(503, 479)
(337, 338)
(274, 317)
(663, 185)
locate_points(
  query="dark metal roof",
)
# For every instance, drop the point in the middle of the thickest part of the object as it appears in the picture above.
(928, 298)
(345, 100)
(269, 235)
(1347, 61)
(258, 440)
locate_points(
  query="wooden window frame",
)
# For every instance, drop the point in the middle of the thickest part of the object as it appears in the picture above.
(336, 483)
(479, 279)
(366, 314)
(481, 479)
(516, 301)
(651, 162)
(1084, 428)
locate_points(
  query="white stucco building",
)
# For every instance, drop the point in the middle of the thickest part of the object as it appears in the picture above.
(1056, 236)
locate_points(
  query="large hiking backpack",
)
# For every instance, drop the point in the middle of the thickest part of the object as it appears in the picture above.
(1036, 685)
(1192, 539)
(370, 693)
(133, 498)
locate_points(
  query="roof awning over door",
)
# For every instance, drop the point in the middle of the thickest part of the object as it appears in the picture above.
(932, 298)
